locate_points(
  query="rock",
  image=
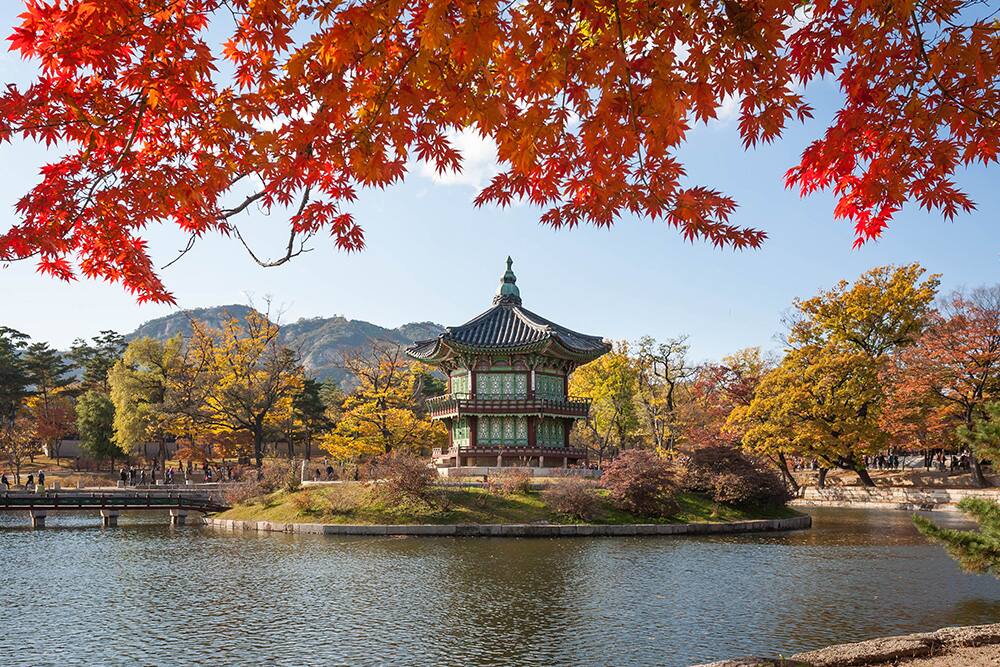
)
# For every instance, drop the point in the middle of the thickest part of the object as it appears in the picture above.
(873, 651)
(972, 635)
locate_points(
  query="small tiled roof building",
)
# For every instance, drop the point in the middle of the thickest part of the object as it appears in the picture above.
(508, 372)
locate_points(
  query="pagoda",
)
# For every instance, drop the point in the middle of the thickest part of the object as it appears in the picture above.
(508, 373)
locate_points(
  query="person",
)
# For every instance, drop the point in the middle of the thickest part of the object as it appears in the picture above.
(142, 477)
(5, 483)
(317, 476)
(123, 476)
(152, 475)
(30, 483)
(41, 478)
(329, 472)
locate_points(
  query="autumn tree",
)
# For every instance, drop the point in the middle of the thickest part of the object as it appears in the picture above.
(381, 415)
(663, 375)
(243, 379)
(142, 384)
(721, 387)
(588, 102)
(50, 408)
(611, 382)
(95, 418)
(17, 443)
(943, 381)
(824, 400)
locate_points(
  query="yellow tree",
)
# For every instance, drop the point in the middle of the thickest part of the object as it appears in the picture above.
(381, 415)
(611, 382)
(821, 403)
(242, 380)
(141, 383)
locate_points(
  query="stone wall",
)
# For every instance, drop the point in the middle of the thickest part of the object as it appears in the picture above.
(904, 498)
(516, 530)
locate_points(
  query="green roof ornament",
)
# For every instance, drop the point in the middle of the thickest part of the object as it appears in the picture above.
(507, 291)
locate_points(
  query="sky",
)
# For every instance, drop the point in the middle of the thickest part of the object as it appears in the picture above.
(432, 256)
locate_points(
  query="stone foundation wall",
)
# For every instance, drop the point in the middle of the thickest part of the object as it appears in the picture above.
(904, 498)
(515, 530)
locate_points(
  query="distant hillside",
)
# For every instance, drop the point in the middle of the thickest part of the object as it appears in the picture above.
(320, 340)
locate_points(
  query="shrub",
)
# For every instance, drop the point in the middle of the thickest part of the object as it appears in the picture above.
(280, 475)
(730, 476)
(400, 477)
(274, 476)
(509, 482)
(572, 496)
(641, 482)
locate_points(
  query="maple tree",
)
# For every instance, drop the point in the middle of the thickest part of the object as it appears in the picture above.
(381, 415)
(189, 112)
(944, 380)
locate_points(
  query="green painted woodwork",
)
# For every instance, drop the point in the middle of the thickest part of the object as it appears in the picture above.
(507, 431)
(502, 385)
(549, 386)
(460, 432)
(460, 383)
(549, 433)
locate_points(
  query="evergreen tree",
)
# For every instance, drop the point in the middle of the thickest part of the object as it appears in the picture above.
(976, 551)
(14, 376)
(95, 418)
(96, 358)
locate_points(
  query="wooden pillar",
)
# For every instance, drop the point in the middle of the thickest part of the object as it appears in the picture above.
(109, 518)
(532, 427)
(178, 517)
(565, 462)
(37, 518)
(541, 461)
(500, 460)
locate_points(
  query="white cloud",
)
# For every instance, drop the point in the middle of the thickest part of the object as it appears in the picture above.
(479, 161)
(728, 110)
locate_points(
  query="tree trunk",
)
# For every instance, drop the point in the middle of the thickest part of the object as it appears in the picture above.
(821, 482)
(978, 477)
(258, 447)
(786, 473)
(863, 475)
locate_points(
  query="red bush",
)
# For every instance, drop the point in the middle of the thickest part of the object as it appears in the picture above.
(641, 482)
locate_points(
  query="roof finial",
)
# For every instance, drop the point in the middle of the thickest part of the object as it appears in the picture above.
(507, 292)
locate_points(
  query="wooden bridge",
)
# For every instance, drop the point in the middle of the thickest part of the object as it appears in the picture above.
(110, 503)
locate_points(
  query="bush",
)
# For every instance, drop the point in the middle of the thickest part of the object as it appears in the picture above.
(641, 482)
(730, 476)
(509, 482)
(400, 477)
(572, 496)
(279, 475)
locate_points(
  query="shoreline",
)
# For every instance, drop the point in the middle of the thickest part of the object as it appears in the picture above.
(951, 646)
(891, 497)
(515, 530)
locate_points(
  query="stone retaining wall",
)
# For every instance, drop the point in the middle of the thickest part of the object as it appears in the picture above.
(515, 530)
(904, 498)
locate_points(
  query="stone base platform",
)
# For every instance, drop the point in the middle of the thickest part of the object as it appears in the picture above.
(516, 530)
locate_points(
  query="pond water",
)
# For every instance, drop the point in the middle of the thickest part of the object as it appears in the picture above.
(146, 593)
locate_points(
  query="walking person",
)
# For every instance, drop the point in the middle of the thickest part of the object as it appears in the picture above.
(30, 483)
(41, 478)
(5, 483)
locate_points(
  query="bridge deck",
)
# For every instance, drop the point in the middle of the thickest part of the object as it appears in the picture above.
(109, 500)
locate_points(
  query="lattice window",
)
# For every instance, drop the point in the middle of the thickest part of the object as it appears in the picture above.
(548, 386)
(549, 433)
(460, 431)
(502, 385)
(460, 384)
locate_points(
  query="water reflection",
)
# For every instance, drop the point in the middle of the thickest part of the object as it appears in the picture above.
(146, 593)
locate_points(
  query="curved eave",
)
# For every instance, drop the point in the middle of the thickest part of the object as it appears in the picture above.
(445, 348)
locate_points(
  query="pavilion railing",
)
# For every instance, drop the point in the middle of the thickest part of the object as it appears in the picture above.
(469, 403)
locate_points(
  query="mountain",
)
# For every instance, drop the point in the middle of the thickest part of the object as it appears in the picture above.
(320, 340)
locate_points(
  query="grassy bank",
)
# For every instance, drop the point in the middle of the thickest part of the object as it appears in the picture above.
(353, 503)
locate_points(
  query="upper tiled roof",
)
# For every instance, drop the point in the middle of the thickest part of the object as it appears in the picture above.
(509, 327)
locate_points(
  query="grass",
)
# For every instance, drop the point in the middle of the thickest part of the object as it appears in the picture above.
(353, 503)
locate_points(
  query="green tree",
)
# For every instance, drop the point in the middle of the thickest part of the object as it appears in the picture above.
(95, 418)
(96, 358)
(975, 550)
(983, 437)
(15, 379)
(141, 384)
(310, 413)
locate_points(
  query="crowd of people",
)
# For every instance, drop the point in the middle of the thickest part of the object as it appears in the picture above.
(137, 476)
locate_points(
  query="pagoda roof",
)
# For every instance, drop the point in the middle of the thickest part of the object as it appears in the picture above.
(509, 327)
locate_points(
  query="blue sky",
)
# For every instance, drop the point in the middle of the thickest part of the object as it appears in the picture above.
(431, 255)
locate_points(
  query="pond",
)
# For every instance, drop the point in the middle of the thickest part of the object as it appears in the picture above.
(146, 593)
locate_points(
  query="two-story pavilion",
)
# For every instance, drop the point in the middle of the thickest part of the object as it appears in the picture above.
(508, 372)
